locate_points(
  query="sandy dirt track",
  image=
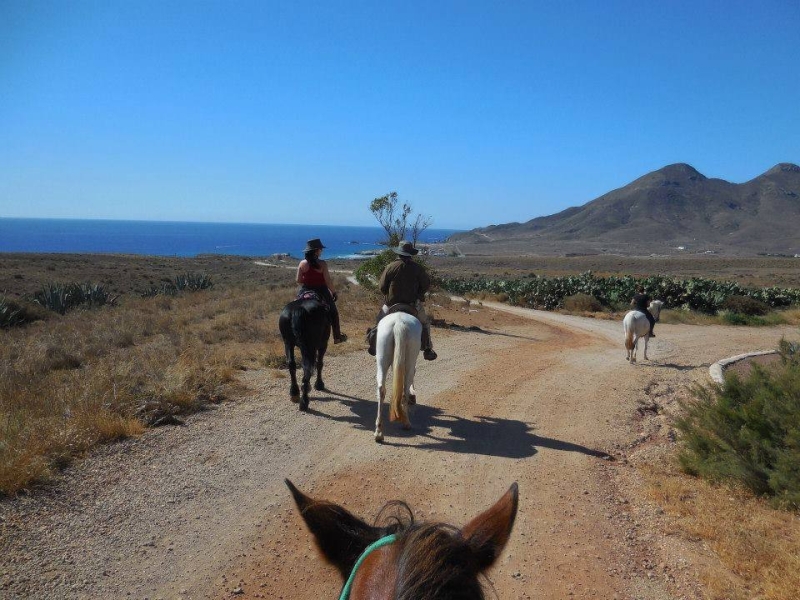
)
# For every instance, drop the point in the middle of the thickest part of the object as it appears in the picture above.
(547, 400)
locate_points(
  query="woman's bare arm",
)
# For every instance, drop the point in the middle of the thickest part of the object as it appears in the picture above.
(328, 280)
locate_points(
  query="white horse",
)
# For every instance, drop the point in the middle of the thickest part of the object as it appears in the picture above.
(636, 326)
(398, 342)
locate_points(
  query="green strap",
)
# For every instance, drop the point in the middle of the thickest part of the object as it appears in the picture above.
(384, 541)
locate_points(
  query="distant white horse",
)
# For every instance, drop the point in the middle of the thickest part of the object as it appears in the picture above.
(398, 342)
(636, 326)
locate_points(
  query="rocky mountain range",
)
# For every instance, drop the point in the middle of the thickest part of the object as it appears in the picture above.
(673, 210)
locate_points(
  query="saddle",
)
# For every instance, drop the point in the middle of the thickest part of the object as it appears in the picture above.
(401, 307)
(312, 295)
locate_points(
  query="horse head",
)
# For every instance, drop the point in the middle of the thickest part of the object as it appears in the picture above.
(655, 308)
(431, 561)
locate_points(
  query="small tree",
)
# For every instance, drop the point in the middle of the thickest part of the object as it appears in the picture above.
(394, 218)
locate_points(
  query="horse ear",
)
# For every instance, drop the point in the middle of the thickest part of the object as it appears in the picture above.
(488, 533)
(340, 536)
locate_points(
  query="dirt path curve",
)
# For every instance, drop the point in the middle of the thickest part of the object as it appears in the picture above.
(201, 511)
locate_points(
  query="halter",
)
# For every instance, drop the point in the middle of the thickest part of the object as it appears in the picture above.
(384, 541)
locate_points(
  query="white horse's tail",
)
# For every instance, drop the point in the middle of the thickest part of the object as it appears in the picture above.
(397, 410)
(628, 337)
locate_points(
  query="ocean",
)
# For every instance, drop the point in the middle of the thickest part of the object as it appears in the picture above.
(161, 238)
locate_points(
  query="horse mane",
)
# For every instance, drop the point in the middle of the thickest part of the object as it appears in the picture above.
(434, 561)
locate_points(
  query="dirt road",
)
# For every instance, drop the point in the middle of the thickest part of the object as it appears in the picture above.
(201, 511)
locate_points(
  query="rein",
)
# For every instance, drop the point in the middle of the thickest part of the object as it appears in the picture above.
(384, 541)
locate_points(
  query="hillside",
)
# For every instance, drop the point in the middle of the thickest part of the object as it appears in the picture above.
(673, 210)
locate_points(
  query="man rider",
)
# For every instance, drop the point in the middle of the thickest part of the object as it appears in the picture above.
(640, 302)
(405, 282)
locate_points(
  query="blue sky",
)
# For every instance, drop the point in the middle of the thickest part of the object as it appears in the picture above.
(303, 112)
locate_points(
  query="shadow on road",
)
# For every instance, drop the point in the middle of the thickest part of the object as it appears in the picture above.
(489, 436)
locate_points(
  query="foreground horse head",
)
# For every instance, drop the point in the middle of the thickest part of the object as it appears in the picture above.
(398, 342)
(405, 560)
(636, 326)
(304, 323)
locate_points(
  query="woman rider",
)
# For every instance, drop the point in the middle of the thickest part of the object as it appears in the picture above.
(313, 275)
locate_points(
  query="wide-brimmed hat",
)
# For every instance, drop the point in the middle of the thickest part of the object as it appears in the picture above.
(405, 248)
(315, 244)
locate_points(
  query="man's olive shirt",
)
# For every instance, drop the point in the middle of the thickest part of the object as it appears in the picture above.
(404, 282)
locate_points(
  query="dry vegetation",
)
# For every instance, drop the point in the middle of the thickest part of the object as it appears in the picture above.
(757, 547)
(92, 376)
(67, 383)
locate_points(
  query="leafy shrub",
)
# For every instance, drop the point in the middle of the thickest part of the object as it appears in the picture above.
(61, 297)
(744, 305)
(192, 282)
(748, 432)
(582, 303)
(704, 295)
(13, 314)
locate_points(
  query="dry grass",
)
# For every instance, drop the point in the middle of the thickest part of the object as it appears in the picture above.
(757, 546)
(68, 383)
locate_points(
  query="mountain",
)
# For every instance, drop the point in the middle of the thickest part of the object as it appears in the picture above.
(672, 210)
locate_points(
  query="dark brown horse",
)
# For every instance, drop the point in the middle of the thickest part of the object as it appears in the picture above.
(305, 323)
(405, 560)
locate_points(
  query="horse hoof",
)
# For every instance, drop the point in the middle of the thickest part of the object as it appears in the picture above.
(379, 438)
(319, 386)
(412, 399)
(406, 426)
(295, 399)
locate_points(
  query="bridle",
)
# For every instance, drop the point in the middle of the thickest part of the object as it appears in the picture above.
(384, 541)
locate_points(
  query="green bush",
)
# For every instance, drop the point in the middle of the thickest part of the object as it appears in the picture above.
(704, 295)
(192, 282)
(748, 431)
(582, 303)
(14, 314)
(61, 297)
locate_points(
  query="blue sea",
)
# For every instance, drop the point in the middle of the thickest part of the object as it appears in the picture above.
(161, 238)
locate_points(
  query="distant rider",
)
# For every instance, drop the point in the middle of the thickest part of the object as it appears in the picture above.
(405, 281)
(313, 275)
(641, 302)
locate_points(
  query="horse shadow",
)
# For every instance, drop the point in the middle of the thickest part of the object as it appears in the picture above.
(489, 436)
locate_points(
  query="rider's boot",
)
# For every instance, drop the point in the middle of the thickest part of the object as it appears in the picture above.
(427, 347)
(372, 338)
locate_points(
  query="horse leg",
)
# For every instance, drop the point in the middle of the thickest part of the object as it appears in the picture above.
(308, 368)
(412, 395)
(646, 339)
(635, 348)
(382, 360)
(294, 390)
(319, 385)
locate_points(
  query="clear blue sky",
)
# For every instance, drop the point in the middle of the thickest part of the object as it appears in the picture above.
(303, 112)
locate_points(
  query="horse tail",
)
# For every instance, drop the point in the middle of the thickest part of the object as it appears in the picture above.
(629, 336)
(398, 409)
(299, 322)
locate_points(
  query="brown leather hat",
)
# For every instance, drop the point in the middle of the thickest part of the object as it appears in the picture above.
(315, 244)
(406, 248)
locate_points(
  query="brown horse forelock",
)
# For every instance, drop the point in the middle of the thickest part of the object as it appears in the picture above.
(433, 562)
